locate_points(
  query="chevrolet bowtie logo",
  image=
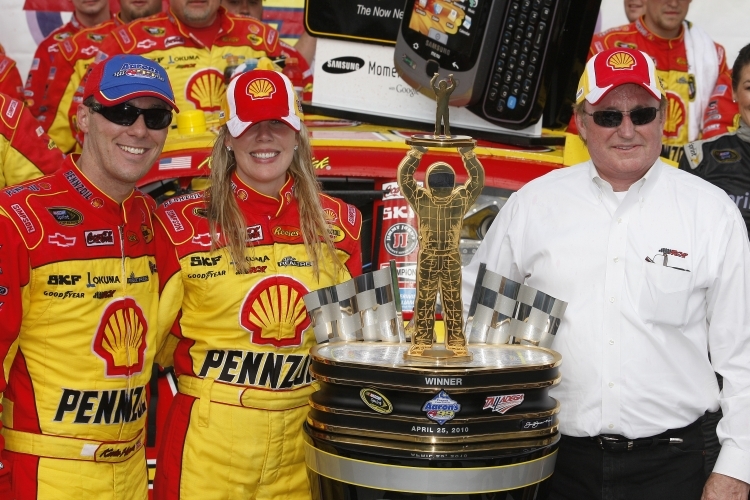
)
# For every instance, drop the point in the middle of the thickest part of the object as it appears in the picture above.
(61, 240)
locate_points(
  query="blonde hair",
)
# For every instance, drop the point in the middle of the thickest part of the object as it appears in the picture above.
(224, 212)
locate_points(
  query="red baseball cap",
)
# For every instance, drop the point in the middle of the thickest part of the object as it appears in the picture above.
(260, 95)
(615, 67)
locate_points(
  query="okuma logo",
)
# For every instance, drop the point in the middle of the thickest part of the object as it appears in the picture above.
(344, 64)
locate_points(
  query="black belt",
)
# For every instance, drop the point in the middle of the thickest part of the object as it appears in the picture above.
(616, 443)
(611, 442)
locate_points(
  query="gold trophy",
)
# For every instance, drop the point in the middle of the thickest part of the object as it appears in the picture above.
(440, 207)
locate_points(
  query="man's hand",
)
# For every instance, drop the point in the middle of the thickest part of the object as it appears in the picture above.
(721, 487)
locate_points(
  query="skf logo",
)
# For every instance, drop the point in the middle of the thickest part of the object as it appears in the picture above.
(63, 279)
(398, 212)
(274, 313)
(205, 261)
(621, 60)
(120, 339)
(502, 404)
(261, 88)
(103, 237)
(61, 240)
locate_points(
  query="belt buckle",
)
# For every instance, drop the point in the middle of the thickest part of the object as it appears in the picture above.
(613, 443)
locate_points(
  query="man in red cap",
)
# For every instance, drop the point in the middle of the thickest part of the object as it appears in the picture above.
(655, 267)
(78, 300)
(691, 65)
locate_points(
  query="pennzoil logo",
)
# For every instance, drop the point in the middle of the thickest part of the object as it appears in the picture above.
(120, 339)
(337, 234)
(274, 313)
(101, 407)
(261, 88)
(376, 401)
(621, 60)
(66, 216)
(257, 369)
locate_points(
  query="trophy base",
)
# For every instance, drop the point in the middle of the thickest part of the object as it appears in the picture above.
(434, 355)
(441, 141)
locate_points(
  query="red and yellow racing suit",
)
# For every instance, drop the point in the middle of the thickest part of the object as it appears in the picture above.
(79, 298)
(73, 57)
(10, 79)
(198, 73)
(25, 150)
(235, 427)
(670, 58)
(42, 71)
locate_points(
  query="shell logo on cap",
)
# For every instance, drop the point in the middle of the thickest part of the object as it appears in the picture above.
(121, 338)
(261, 88)
(621, 60)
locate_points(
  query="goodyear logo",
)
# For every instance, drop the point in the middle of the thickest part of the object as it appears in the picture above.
(257, 369)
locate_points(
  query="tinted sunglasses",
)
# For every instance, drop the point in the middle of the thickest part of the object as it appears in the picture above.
(124, 114)
(612, 119)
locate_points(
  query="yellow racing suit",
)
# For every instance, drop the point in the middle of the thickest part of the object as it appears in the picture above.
(235, 427)
(78, 304)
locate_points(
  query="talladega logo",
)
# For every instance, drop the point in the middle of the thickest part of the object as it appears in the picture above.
(441, 408)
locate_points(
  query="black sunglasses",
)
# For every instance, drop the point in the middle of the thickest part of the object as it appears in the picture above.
(124, 114)
(612, 119)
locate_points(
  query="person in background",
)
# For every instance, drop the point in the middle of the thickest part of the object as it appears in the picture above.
(86, 14)
(655, 266)
(201, 45)
(634, 9)
(693, 68)
(725, 160)
(80, 298)
(26, 152)
(254, 8)
(234, 263)
(10, 79)
(71, 60)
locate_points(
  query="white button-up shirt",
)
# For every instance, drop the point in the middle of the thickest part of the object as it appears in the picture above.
(638, 327)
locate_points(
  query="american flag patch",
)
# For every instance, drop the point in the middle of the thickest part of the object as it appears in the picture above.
(177, 163)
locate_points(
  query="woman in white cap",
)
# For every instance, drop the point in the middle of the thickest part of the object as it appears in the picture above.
(236, 262)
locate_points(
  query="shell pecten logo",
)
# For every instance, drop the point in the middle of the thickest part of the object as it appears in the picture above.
(621, 60)
(206, 89)
(120, 339)
(261, 88)
(274, 313)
